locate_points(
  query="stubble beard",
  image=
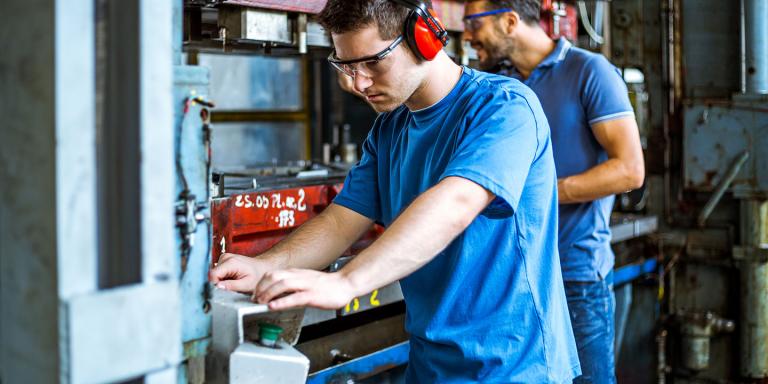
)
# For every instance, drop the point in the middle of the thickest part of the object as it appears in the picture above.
(500, 49)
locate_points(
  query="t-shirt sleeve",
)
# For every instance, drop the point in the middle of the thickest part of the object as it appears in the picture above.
(605, 94)
(361, 187)
(497, 149)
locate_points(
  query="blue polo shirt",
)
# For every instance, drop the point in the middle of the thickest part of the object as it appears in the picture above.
(491, 307)
(578, 88)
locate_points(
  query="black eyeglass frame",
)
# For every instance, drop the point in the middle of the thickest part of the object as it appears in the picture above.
(375, 57)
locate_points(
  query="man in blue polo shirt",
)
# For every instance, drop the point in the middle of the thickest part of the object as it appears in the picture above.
(597, 154)
(458, 167)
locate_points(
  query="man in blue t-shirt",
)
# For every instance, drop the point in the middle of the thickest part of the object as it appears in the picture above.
(458, 167)
(597, 154)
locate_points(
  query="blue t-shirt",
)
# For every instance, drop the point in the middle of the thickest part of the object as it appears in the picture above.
(490, 307)
(578, 88)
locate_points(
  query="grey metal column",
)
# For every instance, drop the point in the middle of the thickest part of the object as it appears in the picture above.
(47, 187)
(28, 224)
(754, 290)
(57, 324)
(756, 45)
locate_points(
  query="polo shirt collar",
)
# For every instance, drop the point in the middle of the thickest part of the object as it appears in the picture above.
(558, 54)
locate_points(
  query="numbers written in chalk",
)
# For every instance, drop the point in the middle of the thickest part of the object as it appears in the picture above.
(354, 305)
(274, 201)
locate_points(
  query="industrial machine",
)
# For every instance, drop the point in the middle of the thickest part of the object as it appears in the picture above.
(705, 67)
(254, 204)
(143, 139)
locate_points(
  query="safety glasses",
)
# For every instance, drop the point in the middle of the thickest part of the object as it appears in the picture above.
(472, 22)
(368, 66)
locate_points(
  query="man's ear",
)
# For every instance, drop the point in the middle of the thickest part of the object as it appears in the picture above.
(511, 21)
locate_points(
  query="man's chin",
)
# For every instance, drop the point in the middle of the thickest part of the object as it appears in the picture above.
(381, 107)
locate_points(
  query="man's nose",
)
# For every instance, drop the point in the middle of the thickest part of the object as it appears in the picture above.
(362, 82)
(467, 35)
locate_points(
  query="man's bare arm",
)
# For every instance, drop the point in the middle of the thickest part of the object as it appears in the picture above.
(424, 229)
(623, 171)
(314, 245)
(320, 241)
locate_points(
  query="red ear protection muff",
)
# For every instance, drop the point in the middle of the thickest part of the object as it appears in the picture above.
(424, 33)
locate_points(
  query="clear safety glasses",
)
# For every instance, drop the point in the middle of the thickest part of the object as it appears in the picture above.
(368, 66)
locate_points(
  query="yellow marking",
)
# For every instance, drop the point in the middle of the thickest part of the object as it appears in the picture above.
(357, 304)
(374, 301)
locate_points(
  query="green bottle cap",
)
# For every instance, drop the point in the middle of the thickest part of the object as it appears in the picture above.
(268, 334)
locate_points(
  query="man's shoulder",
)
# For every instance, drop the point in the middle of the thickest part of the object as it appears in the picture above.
(580, 61)
(485, 82)
(487, 87)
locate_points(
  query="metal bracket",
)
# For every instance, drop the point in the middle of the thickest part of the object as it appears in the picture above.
(750, 254)
(235, 322)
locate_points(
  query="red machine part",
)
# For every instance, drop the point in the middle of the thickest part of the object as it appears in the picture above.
(559, 19)
(251, 223)
(306, 6)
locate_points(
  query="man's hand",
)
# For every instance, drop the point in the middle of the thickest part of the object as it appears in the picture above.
(239, 273)
(304, 287)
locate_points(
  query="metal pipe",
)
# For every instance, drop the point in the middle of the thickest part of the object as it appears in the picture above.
(754, 320)
(722, 187)
(756, 44)
(301, 29)
(754, 292)
(668, 99)
(742, 50)
(661, 356)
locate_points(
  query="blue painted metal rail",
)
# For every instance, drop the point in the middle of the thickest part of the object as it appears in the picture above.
(364, 366)
(631, 272)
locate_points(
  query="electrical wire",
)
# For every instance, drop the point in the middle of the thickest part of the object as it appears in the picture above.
(584, 16)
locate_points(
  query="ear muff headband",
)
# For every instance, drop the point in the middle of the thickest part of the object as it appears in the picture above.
(424, 33)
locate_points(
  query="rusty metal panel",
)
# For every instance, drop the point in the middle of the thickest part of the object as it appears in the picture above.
(702, 288)
(251, 223)
(627, 33)
(710, 37)
(716, 135)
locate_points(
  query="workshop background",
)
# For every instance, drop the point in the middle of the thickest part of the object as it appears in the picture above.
(141, 139)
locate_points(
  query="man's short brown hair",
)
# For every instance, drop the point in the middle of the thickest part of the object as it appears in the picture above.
(342, 16)
(529, 10)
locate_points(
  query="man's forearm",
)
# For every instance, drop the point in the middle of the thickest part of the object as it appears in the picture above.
(608, 178)
(320, 241)
(424, 229)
